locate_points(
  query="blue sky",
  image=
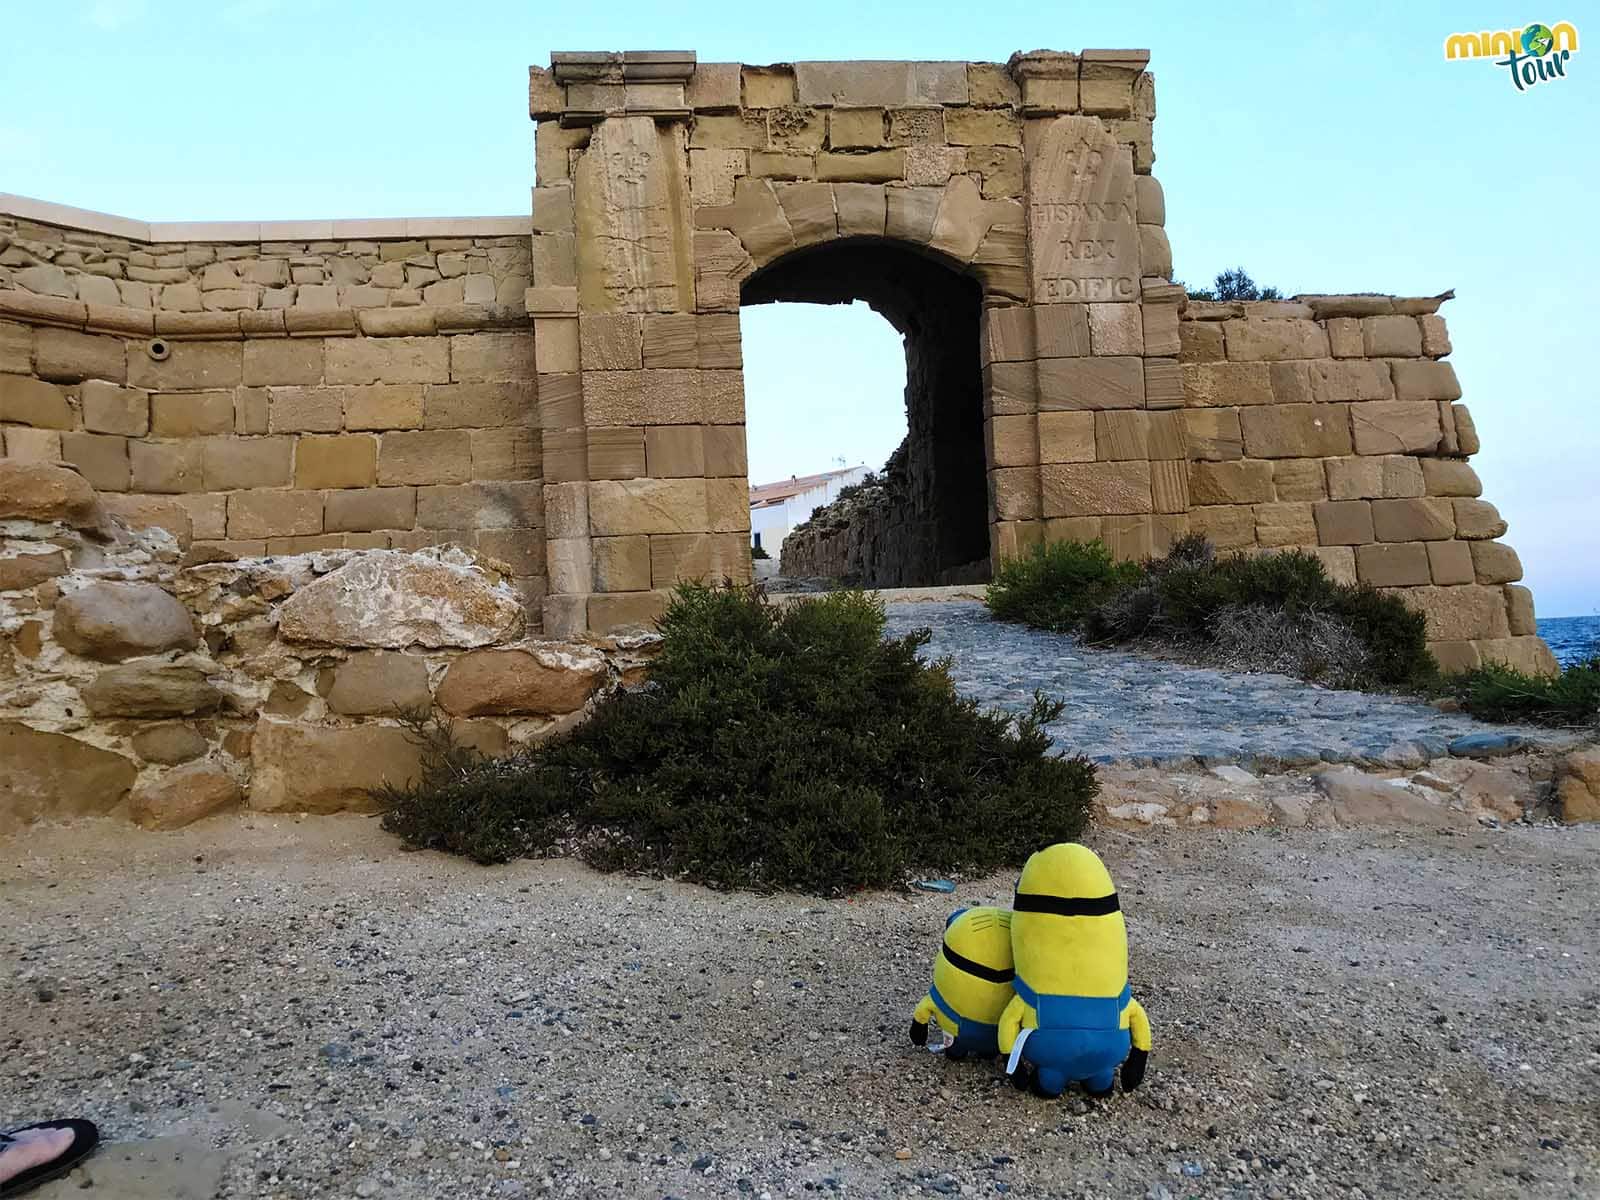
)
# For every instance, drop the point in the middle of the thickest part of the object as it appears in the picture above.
(1325, 151)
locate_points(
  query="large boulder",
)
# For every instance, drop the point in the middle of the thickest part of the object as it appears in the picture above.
(547, 679)
(390, 599)
(182, 797)
(311, 768)
(53, 775)
(150, 689)
(1578, 786)
(114, 621)
(39, 492)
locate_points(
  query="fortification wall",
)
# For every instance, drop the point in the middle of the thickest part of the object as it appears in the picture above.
(290, 393)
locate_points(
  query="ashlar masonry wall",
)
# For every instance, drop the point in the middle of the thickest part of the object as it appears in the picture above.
(287, 394)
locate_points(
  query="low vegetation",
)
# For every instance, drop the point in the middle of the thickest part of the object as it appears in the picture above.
(792, 747)
(1276, 612)
(1499, 693)
(1234, 284)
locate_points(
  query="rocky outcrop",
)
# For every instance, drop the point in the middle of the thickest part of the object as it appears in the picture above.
(1578, 786)
(392, 599)
(114, 621)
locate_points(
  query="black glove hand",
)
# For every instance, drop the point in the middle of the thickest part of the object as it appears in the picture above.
(1133, 1069)
(919, 1033)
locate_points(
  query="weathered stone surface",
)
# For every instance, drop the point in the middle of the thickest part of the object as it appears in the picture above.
(183, 796)
(390, 599)
(113, 621)
(150, 689)
(380, 683)
(20, 571)
(547, 678)
(1578, 786)
(169, 744)
(47, 775)
(309, 768)
(1081, 215)
(36, 492)
(1357, 798)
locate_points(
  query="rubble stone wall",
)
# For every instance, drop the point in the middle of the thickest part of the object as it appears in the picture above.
(131, 682)
(282, 397)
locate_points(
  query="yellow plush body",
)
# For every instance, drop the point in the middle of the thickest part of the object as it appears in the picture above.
(1073, 1013)
(971, 983)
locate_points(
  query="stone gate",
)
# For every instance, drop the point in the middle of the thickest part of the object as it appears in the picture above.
(566, 395)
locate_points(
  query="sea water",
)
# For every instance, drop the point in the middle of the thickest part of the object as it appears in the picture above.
(1573, 639)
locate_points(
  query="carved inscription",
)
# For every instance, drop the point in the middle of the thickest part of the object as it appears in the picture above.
(1082, 230)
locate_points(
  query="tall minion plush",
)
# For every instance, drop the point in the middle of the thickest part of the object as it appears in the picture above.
(971, 983)
(1073, 1018)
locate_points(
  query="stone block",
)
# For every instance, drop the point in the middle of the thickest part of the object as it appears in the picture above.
(862, 209)
(99, 458)
(1393, 564)
(166, 467)
(1012, 441)
(511, 452)
(671, 452)
(190, 365)
(1065, 437)
(1425, 380)
(53, 776)
(251, 408)
(1344, 522)
(610, 342)
(1155, 252)
(1285, 523)
(19, 572)
(168, 744)
(1169, 486)
(389, 360)
(67, 356)
(1495, 562)
(718, 344)
(725, 452)
(297, 767)
(713, 85)
(622, 564)
(568, 564)
(618, 507)
(1200, 342)
(1466, 433)
(1338, 561)
(108, 408)
(728, 505)
(1396, 427)
(1477, 520)
(1227, 384)
(1130, 539)
(150, 688)
(1213, 435)
(1011, 539)
(33, 402)
(560, 401)
(1435, 339)
(982, 127)
(1150, 201)
(425, 457)
(268, 514)
(345, 461)
(113, 621)
(361, 510)
(31, 445)
(1391, 337)
(874, 166)
(1014, 494)
(616, 452)
(1090, 383)
(1095, 489)
(1243, 481)
(1160, 323)
(556, 344)
(1450, 477)
(664, 397)
(1519, 611)
(16, 349)
(1061, 330)
(856, 129)
(504, 504)
(1007, 335)
(1468, 613)
(1122, 435)
(548, 678)
(910, 212)
(1116, 329)
(669, 340)
(1296, 430)
(1300, 479)
(780, 164)
(478, 405)
(488, 357)
(305, 409)
(1000, 169)
(1163, 383)
(610, 612)
(383, 407)
(565, 455)
(1344, 337)
(283, 361)
(1225, 526)
(1268, 339)
(1450, 562)
(380, 683)
(191, 414)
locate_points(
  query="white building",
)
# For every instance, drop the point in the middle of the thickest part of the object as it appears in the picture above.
(776, 508)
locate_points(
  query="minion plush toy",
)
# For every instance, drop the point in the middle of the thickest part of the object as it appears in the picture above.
(1073, 1018)
(971, 983)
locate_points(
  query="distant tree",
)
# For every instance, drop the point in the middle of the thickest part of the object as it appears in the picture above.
(1234, 284)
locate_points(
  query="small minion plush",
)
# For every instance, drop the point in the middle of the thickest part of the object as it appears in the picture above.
(971, 983)
(1073, 1018)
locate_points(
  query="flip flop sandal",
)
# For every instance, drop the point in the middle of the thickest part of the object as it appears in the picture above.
(85, 1137)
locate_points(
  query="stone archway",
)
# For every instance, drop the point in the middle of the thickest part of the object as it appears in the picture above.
(935, 526)
(670, 192)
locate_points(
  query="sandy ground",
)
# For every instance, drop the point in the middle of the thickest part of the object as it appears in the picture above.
(280, 1008)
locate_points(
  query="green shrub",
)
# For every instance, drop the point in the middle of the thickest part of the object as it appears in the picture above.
(772, 747)
(1057, 584)
(1500, 693)
(1277, 612)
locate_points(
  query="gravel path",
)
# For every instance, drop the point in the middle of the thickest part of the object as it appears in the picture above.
(1142, 711)
(259, 1007)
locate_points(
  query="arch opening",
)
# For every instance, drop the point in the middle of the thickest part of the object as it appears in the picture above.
(929, 523)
